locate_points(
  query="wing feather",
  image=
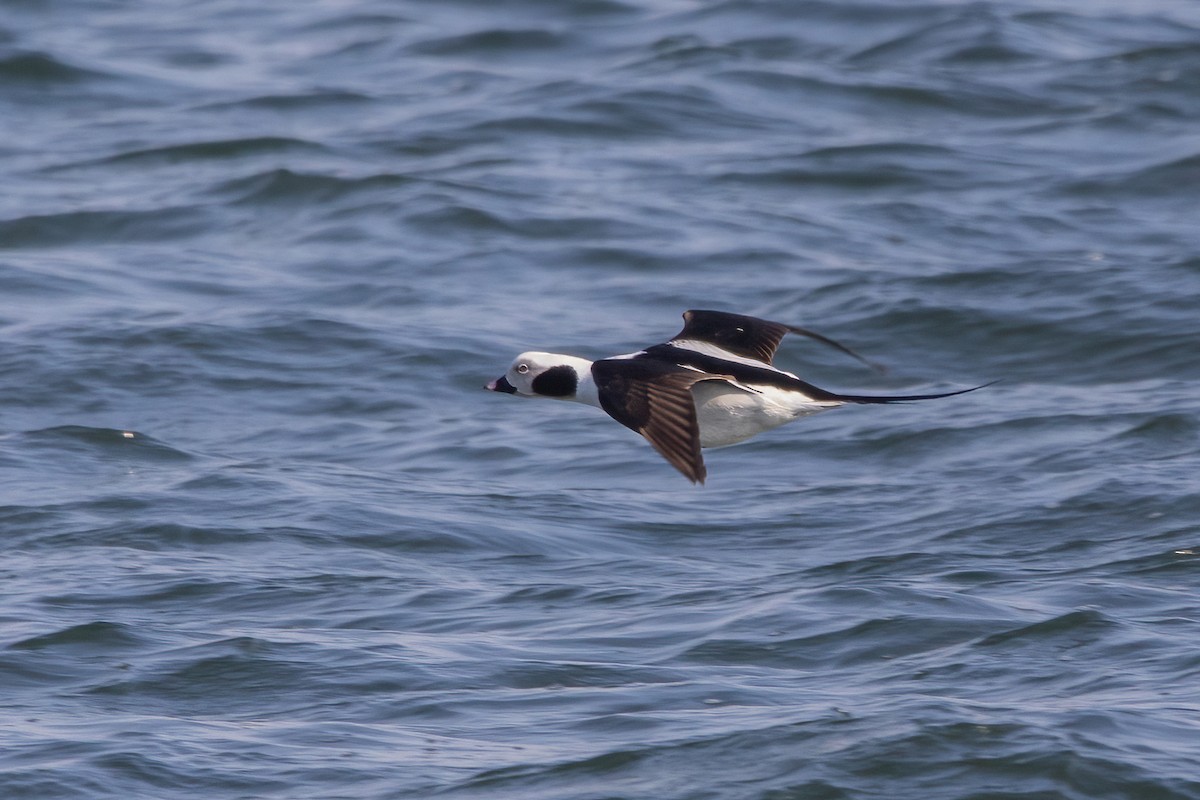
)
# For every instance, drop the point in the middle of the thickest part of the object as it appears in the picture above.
(749, 337)
(655, 399)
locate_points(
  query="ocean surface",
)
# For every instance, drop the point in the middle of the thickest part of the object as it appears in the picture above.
(264, 535)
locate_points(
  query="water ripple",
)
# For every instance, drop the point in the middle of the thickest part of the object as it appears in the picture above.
(266, 535)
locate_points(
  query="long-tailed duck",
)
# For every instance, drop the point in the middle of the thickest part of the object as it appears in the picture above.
(711, 385)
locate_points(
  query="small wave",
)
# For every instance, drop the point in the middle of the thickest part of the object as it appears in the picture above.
(862, 644)
(285, 186)
(868, 95)
(571, 228)
(104, 226)
(41, 69)
(303, 101)
(17, 281)
(156, 536)
(238, 669)
(1179, 431)
(541, 8)
(682, 112)
(91, 637)
(103, 442)
(943, 39)
(1167, 180)
(872, 166)
(218, 149)
(1070, 630)
(682, 51)
(498, 42)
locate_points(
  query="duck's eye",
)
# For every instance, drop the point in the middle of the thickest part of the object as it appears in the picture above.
(522, 368)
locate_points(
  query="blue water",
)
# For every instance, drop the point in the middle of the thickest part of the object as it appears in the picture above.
(265, 536)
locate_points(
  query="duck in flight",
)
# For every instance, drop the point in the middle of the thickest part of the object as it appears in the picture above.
(711, 385)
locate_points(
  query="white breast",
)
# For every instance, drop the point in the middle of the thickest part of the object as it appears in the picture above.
(728, 414)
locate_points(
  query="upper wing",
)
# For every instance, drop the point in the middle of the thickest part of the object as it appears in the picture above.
(748, 337)
(655, 399)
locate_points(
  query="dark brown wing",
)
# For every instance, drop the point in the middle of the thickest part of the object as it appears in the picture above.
(750, 337)
(655, 399)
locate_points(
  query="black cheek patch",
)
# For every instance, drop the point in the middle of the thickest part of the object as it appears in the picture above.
(560, 381)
